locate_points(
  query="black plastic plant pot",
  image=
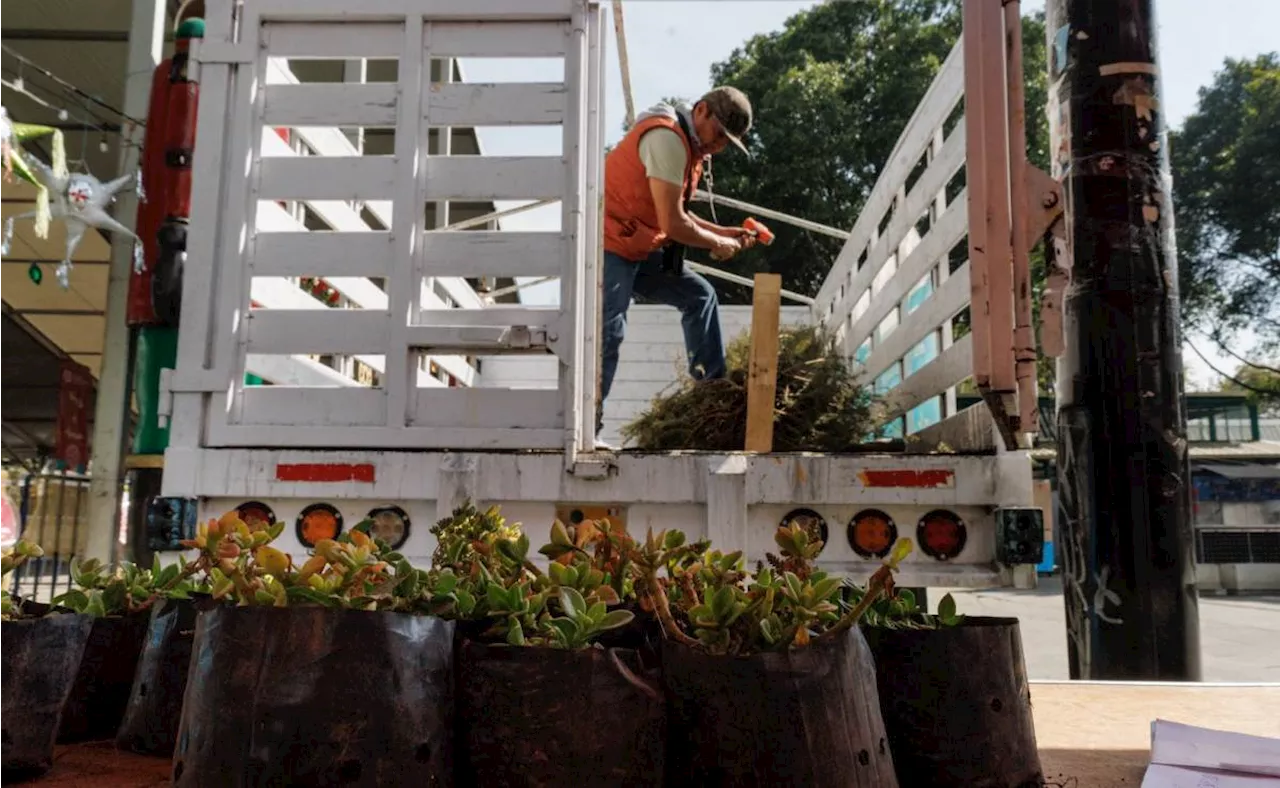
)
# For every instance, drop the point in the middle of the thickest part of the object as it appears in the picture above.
(313, 696)
(808, 718)
(154, 710)
(553, 717)
(105, 678)
(38, 664)
(957, 705)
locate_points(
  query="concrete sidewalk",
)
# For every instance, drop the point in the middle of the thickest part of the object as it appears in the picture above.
(1239, 636)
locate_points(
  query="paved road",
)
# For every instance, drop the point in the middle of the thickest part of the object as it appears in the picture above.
(1239, 636)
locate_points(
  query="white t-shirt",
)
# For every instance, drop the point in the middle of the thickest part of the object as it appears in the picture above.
(663, 153)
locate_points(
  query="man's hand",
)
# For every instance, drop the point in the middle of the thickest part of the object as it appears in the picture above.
(725, 248)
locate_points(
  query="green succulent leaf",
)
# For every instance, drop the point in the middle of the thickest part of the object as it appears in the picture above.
(560, 574)
(947, 607)
(571, 602)
(515, 632)
(95, 606)
(614, 619)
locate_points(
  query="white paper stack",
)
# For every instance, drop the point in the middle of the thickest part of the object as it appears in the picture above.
(1184, 756)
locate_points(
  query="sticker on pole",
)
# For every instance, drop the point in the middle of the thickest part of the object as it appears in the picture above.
(918, 479)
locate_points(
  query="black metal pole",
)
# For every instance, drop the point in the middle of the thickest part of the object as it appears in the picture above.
(1128, 566)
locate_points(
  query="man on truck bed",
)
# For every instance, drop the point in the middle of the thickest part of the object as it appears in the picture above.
(649, 179)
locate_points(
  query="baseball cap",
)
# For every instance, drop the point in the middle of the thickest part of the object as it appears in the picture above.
(731, 107)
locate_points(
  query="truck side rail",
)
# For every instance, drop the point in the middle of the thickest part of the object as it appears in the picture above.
(931, 289)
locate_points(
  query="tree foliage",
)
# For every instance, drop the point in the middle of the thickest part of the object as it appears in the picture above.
(1226, 164)
(832, 91)
(1260, 384)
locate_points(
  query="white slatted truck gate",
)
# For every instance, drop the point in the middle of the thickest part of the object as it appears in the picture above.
(399, 446)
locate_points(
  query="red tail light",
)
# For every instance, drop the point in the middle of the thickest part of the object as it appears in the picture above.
(812, 522)
(941, 535)
(256, 514)
(872, 533)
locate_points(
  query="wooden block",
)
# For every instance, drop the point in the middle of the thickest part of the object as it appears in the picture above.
(762, 379)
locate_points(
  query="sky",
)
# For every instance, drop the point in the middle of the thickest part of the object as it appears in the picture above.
(671, 45)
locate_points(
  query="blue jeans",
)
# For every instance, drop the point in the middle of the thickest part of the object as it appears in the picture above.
(689, 292)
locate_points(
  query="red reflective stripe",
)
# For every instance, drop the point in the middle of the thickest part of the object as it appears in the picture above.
(325, 472)
(934, 477)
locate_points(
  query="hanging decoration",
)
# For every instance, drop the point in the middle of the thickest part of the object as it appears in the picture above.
(81, 201)
(17, 162)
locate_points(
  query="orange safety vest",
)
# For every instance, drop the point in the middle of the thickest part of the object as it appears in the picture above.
(631, 228)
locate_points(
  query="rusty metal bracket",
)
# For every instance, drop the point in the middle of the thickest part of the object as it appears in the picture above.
(1044, 203)
(1045, 221)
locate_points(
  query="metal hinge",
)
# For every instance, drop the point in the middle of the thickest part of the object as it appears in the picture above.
(1045, 220)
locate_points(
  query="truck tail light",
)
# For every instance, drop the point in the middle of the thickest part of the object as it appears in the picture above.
(872, 533)
(318, 521)
(390, 524)
(256, 515)
(941, 534)
(812, 522)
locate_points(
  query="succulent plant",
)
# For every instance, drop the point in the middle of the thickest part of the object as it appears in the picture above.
(101, 590)
(469, 533)
(707, 599)
(481, 572)
(901, 611)
(354, 571)
(13, 557)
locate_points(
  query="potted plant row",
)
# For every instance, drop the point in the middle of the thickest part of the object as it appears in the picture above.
(599, 660)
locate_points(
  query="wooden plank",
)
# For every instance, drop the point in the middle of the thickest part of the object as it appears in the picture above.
(483, 253)
(933, 249)
(972, 429)
(322, 407)
(925, 191)
(762, 380)
(488, 408)
(378, 10)
(195, 338)
(327, 177)
(476, 339)
(945, 302)
(533, 316)
(593, 263)
(494, 177)
(323, 254)
(371, 104)
(949, 368)
(500, 39)
(384, 438)
(294, 371)
(505, 104)
(302, 331)
(321, 41)
(227, 295)
(405, 285)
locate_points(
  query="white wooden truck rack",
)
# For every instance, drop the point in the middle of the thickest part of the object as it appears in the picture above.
(420, 448)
